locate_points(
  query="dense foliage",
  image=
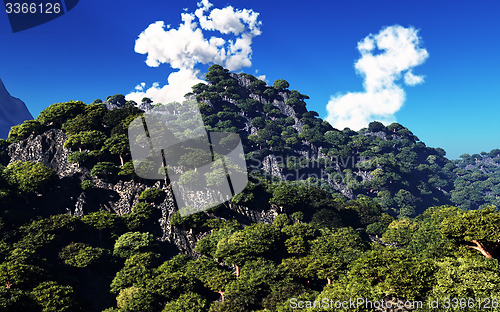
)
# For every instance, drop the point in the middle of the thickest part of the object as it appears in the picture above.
(372, 214)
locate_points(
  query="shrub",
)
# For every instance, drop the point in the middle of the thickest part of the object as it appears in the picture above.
(87, 184)
(281, 84)
(131, 243)
(78, 157)
(103, 168)
(30, 176)
(56, 114)
(153, 195)
(23, 130)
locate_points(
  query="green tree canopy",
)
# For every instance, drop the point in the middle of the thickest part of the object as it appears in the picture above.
(477, 229)
(255, 240)
(81, 255)
(281, 84)
(30, 176)
(52, 297)
(57, 114)
(131, 243)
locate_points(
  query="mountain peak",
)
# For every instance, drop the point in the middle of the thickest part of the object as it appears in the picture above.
(13, 111)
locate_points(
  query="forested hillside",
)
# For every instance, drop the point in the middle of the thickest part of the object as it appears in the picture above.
(328, 213)
(478, 180)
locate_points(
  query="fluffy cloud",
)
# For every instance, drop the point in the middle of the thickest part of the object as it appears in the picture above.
(386, 58)
(188, 45)
(227, 20)
(179, 83)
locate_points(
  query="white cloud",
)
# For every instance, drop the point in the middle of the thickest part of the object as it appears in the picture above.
(386, 58)
(140, 86)
(227, 20)
(412, 80)
(188, 45)
(179, 83)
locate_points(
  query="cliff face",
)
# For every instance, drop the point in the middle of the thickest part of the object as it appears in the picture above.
(117, 196)
(48, 149)
(13, 111)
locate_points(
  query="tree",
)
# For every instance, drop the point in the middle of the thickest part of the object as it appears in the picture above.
(376, 126)
(144, 217)
(30, 176)
(469, 277)
(23, 130)
(349, 286)
(115, 118)
(270, 93)
(52, 297)
(395, 272)
(118, 99)
(84, 122)
(255, 240)
(248, 106)
(78, 157)
(216, 73)
(477, 229)
(152, 195)
(131, 243)
(379, 227)
(107, 224)
(288, 195)
(217, 281)
(47, 231)
(86, 139)
(103, 169)
(187, 302)
(12, 299)
(208, 244)
(14, 274)
(87, 184)
(57, 114)
(258, 278)
(334, 250)
(81, 255)
(326, 218)
(137, 270)
(281, 84)
(134, 299)
(127, 170)
(407, 203)
(400, 231)
(335, 137)
(117, 144)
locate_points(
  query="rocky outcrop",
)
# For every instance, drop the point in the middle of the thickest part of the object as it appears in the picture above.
(126, 194)
(270, 164)
(116, 196)
(48, 149)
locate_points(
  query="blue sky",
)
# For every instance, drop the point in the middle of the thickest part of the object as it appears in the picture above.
(89, 53)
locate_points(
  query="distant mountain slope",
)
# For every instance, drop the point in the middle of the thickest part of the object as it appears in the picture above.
(13, 111)
(478, 180)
